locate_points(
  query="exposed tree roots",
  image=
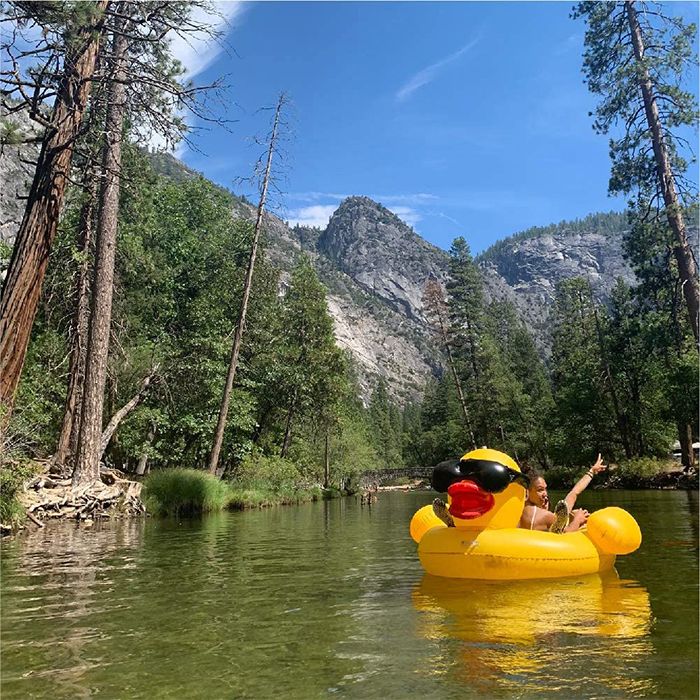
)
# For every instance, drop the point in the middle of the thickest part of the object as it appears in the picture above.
(51, 496)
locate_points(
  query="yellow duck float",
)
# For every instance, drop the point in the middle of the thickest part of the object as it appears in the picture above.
(486, 493)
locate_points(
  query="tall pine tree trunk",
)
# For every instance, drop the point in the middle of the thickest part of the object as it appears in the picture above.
(687, 268)
(30, 256)
(70, 426)
(238, 336)
(87, 462)
(458, 383)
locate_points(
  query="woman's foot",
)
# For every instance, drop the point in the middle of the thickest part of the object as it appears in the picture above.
(561, 512)
(440, 509)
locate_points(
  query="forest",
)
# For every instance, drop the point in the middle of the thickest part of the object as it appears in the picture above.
(143, 328)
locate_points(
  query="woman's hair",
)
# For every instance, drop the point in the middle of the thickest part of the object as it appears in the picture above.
(532, 474)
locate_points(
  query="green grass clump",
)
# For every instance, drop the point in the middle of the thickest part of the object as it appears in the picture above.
(12, 476)
(184, 492)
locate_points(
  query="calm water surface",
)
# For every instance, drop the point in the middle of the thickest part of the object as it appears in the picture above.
(329, 599)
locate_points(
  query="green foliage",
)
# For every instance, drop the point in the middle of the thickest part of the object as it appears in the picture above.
(267, 473)
(12, 477)
(310, 376)
(10, 133)
(40, 398)
(177, 492)
(386, 428)
(643, 467)
(584, 416)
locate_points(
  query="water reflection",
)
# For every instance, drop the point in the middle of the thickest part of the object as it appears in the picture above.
(56, 560)
(524, 633)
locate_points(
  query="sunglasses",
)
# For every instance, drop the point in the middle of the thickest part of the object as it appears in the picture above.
(490, 476)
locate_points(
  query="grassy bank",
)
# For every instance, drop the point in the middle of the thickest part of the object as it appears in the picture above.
(177, 492)
(12, 478)
(184, 492)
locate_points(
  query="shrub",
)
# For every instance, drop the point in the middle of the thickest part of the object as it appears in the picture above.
(184, 492)
(262, 473)
(563, 477)
(11, 479)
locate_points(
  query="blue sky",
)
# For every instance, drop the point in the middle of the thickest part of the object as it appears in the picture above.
(464, 118)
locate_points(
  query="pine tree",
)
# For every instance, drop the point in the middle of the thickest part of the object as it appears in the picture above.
(635, 59)
(466, 316)
(522, 386)
(436, 308)
(584, 416)
(77, 29)
(386, 428)
(665, 335)
(313, 365)
(86, 469)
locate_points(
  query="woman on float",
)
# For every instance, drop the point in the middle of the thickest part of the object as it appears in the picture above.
(536, 514)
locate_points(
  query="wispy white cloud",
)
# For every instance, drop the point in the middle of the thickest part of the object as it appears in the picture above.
(442, 215)
(407, 215)
(316, 215)
(429, 73)
(198, 51)
(414, 198)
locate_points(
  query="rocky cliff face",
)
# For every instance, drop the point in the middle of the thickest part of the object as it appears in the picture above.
(526, 269)
(18, 153)
(382, 254)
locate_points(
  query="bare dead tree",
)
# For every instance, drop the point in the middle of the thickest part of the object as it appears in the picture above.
(240, 324)
(127, 408)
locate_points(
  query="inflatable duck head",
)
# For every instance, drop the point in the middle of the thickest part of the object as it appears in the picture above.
(485, 489)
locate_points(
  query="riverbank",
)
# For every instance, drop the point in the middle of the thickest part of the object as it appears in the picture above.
(31, 491)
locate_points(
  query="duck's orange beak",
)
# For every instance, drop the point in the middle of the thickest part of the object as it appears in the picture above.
(468, 500)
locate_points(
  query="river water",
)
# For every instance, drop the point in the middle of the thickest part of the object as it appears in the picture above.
(329, 599)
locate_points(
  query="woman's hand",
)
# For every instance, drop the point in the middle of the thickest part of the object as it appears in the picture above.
(598, 466)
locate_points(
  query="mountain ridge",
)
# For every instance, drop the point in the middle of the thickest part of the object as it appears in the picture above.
(375, 266)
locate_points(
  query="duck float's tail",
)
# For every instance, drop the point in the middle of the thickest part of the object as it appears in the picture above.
(614, 531)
